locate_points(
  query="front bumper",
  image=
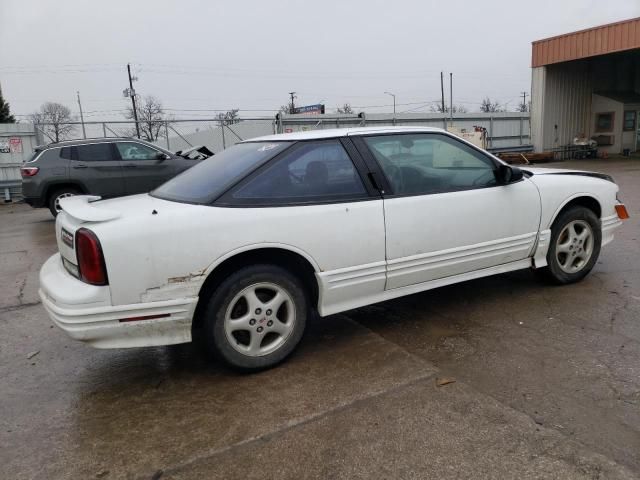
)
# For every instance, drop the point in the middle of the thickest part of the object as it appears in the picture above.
(609, 225)
(84, 312)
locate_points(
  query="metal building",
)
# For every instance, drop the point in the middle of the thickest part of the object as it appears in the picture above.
(586, 84)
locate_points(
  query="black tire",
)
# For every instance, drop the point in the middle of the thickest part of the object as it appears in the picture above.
(56, 195)
(225, 346)
(554, 271)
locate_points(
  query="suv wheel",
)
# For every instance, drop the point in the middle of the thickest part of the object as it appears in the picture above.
(256, 317)
(54, 199)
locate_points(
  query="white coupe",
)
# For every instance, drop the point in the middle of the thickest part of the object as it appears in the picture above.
(244, 247)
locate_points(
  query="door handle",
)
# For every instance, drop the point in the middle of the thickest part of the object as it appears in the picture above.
(80, 165)
(130, 165)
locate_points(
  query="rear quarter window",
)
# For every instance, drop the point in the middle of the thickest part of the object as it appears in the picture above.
(49, 155)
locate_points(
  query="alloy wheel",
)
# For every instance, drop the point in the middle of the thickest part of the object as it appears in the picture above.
(574, 246)
(259, 319)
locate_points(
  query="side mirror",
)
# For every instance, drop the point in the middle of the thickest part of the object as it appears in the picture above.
(507, 174)
(162, 156)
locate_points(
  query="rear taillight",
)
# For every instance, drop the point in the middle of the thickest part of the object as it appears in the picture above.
(28, 171)
(90, 258)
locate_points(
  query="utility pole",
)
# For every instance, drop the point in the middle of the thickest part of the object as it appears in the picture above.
(132, 92)
(292, 106)
(442, 91)
(524, 100)
(451, 97)
(84, 132)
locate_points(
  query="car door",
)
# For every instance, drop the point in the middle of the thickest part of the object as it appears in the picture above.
(323, 205)
(445, 213)
(97, 167)
(144, 167)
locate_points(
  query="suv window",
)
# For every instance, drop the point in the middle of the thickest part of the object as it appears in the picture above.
(48, 155)
(136, 151)
(67, 153)
(430, 163)
(95, 152)
(311, 171)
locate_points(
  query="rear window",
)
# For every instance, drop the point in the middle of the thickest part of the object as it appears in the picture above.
(207, 180)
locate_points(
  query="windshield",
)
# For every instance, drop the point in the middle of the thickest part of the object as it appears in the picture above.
(207, 180)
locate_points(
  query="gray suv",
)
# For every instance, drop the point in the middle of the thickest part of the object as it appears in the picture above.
(108, 167)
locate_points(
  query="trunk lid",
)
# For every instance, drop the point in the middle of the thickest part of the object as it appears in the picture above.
(87, 211)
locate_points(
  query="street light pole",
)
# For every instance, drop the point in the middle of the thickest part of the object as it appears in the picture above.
(394, 104)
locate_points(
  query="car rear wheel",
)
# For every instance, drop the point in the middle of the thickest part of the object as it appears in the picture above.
(256, 317)
(576, 238)
(56, 196)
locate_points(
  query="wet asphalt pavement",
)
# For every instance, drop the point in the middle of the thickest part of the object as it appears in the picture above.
(547, 383)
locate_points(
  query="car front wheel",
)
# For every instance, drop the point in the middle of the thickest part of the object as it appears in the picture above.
(576, 238)
(256, 317)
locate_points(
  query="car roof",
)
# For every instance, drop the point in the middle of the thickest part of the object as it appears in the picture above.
(84, 141)
(341, 132)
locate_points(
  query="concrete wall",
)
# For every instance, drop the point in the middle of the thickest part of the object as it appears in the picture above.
(11, 161)
(217, 138)
(504, 129)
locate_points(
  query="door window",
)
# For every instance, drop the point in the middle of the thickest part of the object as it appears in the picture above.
(95, 152)
(136, 151)
(318, 171)
(430, 163)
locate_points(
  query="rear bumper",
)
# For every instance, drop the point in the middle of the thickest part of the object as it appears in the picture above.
(84, 313)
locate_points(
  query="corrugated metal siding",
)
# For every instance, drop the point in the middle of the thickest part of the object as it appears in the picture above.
(615, 37)
(566, 102)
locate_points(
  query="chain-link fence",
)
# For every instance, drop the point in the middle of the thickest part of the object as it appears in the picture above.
(173, 135)
(503, 130)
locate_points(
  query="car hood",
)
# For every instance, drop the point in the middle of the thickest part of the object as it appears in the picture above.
(561, 171)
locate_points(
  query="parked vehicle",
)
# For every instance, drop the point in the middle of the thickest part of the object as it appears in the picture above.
(108, 167)
(242, 248)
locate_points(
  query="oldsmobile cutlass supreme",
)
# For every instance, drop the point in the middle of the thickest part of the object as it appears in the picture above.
(241, 249)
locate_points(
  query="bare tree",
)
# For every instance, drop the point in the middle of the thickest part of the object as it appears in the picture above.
(54, 119)
(229, 117)
(437, 108)
(151, 118)
(522, 107)
(346, 108)
(489, 106)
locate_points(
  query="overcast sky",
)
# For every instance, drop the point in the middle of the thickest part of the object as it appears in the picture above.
(198, 56)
